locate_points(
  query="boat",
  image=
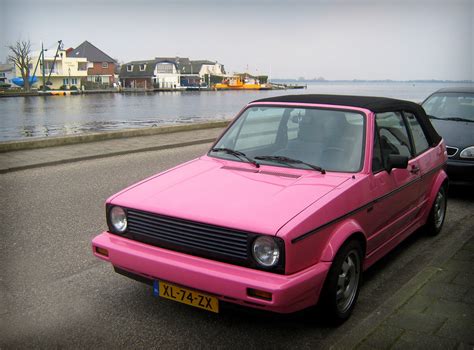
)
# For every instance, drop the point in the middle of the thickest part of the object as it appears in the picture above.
(20, 82)
(237, 83)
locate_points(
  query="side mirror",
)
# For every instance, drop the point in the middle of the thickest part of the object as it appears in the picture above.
(395, 161)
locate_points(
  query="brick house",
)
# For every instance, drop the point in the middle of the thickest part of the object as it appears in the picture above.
(100, 66)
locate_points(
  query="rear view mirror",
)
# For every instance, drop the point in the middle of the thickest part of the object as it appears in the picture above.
(396, 161)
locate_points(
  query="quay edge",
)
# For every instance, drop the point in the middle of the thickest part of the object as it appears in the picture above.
(109, 135)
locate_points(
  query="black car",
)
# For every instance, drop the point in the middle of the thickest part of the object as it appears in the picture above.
(451, 111)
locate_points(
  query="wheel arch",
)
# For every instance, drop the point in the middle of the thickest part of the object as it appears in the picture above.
(440, 181)
(343, 233)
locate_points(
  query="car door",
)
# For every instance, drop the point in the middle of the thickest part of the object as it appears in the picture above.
(426, 157)
(395, 191)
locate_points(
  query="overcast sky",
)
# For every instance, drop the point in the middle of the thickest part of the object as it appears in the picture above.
(358, 39)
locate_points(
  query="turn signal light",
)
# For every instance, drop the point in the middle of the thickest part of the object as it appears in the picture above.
(259, 294)
(102, 251)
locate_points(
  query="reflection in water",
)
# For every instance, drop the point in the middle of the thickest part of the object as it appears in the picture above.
(27, 117)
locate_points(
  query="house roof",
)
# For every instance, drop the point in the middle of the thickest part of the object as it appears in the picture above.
(136, 72)
(374, 104)
(92, 53)
(183, 64)
(6, 67)
(180, 62)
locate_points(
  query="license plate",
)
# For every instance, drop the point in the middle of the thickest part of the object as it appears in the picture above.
(186, 296)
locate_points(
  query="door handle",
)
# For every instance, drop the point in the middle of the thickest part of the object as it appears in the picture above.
(414, 169)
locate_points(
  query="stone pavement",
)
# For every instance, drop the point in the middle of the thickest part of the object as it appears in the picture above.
(25, 159)
(434, 310)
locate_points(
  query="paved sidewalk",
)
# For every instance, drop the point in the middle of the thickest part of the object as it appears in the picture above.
(434, 310)
(25, 159)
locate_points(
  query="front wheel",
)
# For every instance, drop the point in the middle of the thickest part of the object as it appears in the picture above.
(437, 213)
(342, 285)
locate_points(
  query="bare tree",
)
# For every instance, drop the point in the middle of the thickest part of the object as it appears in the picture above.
(21, 57)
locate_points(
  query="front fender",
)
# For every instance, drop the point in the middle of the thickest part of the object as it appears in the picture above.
(340, 235)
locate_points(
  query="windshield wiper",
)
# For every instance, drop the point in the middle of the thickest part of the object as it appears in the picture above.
(458, 119)
(455, 119)
(238, 154)
(434, 117)
(282, 159)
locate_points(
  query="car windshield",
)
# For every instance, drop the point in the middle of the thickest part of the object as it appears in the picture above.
(306, 138)
(450, 106)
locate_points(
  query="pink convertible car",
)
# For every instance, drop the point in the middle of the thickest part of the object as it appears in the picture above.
(293, 202)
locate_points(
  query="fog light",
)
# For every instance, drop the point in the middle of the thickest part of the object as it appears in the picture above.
(102, 251)
(259, 294)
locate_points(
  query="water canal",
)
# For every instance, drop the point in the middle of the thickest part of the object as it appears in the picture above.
(30, 117)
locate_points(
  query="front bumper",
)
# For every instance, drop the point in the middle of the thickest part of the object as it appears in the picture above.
(228, 282)
(460, 172)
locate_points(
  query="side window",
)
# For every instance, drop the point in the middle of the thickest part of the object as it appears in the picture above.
(419, 138)
(393, 135)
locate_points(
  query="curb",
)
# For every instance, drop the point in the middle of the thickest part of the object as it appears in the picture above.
(100, 136)
(106, 155)
(367, 326)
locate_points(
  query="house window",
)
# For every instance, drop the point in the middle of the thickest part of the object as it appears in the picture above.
(66, 81)
(105, 65)
(142, 67)
(129, 67)
(164, 68)
(73, 81)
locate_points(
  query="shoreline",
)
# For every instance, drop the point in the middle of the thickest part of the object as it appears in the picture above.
(53, 141)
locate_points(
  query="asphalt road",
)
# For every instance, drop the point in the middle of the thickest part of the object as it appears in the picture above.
(54, 293)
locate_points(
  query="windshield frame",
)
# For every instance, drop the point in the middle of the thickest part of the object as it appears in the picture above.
(348, 109)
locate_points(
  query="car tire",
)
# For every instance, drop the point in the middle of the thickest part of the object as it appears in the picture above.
(342, 284)
(438, 213)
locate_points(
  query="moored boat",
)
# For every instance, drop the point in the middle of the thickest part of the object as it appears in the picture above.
(236, 83)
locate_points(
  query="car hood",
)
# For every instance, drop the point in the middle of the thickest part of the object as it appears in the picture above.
(230, 194)
(454, 133)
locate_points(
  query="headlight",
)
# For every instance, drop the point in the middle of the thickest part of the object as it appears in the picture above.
(118, 219)
(266, 251)
(467, 153)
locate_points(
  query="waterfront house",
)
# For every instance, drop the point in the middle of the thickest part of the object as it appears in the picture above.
(195, 72)
(205, 68)
(158, 73)
(59, 71)
(168, 73)
(137, 74)
(100, 66)
(7, 73)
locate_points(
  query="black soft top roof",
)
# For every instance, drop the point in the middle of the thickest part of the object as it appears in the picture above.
(374, 104)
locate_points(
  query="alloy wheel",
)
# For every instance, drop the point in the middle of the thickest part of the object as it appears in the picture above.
(348, 281)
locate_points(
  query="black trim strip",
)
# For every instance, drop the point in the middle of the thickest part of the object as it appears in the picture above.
(352, 212)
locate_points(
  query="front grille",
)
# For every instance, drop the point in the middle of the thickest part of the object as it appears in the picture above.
(190, 237)
(451, 151)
